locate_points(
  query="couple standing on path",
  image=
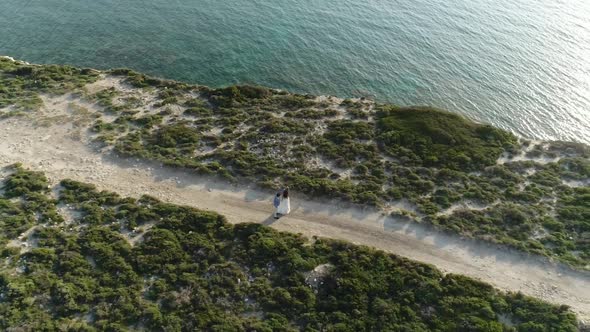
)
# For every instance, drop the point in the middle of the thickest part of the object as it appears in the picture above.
(282, 203)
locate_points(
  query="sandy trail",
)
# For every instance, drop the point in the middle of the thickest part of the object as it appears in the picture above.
(61, 152)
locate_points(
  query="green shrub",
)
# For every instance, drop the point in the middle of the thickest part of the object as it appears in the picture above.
(193, 270)
(440, 139)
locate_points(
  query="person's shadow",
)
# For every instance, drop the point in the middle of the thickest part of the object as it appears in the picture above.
(270, 220)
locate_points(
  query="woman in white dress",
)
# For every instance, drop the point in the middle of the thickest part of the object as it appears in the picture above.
(285, 204)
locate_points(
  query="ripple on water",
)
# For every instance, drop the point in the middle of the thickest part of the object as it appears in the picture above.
(521, 65)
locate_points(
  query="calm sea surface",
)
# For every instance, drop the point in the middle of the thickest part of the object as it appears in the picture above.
(523, 65)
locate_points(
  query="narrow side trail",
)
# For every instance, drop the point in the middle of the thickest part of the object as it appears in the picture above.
(61, 152)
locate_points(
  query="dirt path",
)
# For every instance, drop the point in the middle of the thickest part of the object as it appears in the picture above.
(61, 152)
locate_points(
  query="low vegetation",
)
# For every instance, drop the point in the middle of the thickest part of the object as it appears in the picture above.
(21, 84)
(108, 263)
(432, 138)
(420, 164)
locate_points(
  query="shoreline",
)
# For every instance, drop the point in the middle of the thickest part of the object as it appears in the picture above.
(61, 135)
(119, 85)
(326, 96)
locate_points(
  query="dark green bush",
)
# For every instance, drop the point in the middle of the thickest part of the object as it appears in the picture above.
(194, 271)
(434, 138)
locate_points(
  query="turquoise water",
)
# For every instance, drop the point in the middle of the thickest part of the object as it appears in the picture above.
(523, 65)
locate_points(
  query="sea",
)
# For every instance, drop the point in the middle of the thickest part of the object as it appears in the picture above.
(522, 65)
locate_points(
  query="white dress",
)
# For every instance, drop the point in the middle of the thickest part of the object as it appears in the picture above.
(284, 206)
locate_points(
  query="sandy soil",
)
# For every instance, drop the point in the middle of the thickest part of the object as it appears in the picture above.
(56, 148)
